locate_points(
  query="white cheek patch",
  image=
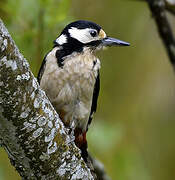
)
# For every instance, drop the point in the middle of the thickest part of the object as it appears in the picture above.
(82, 35)
(61, 39)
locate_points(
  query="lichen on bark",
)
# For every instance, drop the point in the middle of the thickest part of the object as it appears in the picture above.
(31, 132)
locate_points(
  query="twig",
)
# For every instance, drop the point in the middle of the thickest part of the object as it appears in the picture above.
(157, 8)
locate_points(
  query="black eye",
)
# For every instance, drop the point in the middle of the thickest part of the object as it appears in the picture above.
(93, 33)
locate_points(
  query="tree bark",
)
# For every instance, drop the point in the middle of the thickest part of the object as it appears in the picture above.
(31, 132)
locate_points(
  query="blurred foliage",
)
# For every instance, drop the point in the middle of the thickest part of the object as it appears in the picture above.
(34, 25)
(133, 130)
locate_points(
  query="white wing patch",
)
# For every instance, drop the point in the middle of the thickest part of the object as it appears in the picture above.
(82, 35)
(61, 39)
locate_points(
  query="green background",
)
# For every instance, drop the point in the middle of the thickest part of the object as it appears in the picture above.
(133, 130)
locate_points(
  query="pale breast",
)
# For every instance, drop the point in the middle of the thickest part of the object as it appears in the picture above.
(70, 88)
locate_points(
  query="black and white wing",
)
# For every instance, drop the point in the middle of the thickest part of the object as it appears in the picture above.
(95, 98)
(42, 68)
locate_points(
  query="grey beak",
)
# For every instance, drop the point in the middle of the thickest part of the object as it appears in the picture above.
(108, 41)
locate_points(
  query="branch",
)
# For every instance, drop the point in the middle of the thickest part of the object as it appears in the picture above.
(31, 132)
(99, 169)
(157, 8)
(170, 6)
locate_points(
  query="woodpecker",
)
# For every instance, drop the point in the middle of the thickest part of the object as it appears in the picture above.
(69, 75)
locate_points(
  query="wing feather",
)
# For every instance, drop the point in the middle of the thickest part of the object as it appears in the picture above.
(95, 98)
(42, 68)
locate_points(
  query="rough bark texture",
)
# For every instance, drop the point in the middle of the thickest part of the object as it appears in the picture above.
(158, 9)
(31, 132)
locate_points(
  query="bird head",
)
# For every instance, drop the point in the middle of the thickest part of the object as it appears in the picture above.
(85, 34)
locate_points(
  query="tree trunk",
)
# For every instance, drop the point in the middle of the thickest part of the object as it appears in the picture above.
(31, 132)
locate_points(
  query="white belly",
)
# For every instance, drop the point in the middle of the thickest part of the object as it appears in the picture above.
(70, 89)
